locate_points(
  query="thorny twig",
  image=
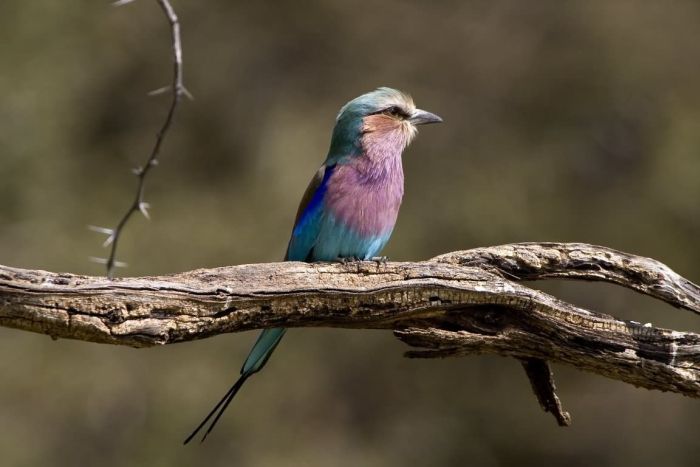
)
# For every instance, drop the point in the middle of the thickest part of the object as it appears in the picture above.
(177, 90)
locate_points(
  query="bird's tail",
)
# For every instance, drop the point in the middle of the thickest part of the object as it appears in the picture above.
(257, 358)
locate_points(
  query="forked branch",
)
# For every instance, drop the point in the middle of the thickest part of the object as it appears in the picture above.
(456, 304)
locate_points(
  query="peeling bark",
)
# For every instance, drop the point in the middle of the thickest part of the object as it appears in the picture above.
(456, 304)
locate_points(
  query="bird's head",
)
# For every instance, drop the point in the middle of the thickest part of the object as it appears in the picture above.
(384, 117)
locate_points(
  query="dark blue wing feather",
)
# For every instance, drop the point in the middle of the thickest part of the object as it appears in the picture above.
(309, 218)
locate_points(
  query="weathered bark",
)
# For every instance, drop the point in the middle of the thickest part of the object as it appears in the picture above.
(456, 304)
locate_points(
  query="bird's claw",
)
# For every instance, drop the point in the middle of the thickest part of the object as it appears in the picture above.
(380, 260)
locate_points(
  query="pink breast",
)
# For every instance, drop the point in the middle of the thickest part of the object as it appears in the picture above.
(366, 195)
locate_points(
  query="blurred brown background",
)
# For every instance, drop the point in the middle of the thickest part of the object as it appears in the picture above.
(564, 121)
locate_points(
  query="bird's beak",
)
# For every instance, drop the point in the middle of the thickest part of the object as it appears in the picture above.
(421, 117)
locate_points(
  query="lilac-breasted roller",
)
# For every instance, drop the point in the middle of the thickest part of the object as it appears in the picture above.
(350, 207)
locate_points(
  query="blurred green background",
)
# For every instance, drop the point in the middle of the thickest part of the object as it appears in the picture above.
(564, 121)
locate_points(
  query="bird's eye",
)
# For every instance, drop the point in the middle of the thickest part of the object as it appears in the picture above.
(395, 111)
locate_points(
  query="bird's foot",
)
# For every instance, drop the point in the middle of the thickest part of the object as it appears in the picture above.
(348, 259)
(380, 260)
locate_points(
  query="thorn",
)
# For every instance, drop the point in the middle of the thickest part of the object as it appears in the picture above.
(121, 2)
(159, 91)
(143, 207)
(183, 90)
(102, 230)
(117, 264)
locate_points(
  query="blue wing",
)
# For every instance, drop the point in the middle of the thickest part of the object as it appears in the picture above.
(309, 220)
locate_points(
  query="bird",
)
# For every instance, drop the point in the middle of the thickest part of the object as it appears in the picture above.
(349, 209)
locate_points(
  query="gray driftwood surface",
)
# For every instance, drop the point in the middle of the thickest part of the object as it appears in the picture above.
(460, 303)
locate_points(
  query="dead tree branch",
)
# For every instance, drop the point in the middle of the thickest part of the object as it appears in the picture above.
(461, 303)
